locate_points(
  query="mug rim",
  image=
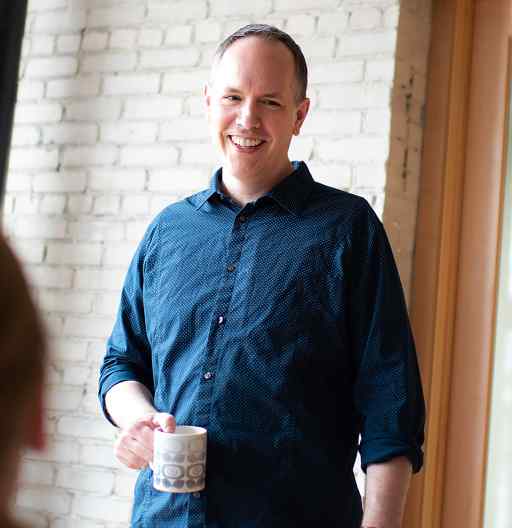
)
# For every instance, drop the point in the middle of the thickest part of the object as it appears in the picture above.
(183, 431)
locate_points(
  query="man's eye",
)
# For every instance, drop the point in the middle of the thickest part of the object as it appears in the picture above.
(231, 98)
(269, 102)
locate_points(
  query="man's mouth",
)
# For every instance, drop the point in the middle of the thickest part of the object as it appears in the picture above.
(246, 143)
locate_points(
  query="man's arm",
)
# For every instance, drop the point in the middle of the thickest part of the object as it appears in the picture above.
(130, 405)
(386, 491)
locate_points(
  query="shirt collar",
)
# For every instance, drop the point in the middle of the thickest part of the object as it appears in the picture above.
(291, 193)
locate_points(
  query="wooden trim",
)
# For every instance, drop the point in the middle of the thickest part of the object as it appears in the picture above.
(437, 235)
(477, 278)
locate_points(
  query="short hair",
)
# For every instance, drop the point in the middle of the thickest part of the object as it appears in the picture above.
(268, 32)
(22, 345)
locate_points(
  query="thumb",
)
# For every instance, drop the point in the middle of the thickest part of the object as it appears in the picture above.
(164, 421)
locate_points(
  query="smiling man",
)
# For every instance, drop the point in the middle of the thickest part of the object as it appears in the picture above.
(267, 309)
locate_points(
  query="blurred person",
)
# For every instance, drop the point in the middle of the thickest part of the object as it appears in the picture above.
(22, 354)
(267, 309)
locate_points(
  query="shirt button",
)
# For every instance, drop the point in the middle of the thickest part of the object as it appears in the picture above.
(220, 320)
(208, 375)
(231, 267)
(196, 495)
(242, 219)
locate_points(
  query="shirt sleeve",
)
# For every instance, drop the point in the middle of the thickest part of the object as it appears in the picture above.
(387, 392)
(128, 354)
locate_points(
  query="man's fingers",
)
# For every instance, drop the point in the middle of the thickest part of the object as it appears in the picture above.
(165, 421)
(132, 451)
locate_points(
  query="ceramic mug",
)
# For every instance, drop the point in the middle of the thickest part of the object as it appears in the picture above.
(179, 460)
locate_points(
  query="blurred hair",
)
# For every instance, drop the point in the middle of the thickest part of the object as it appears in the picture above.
(22, 345)
(271, 33)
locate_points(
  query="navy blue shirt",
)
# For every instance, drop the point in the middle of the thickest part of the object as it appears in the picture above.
(281, 328)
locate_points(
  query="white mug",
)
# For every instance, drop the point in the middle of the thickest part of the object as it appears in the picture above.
(179, 460)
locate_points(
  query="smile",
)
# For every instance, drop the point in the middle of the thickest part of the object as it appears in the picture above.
(246, 142)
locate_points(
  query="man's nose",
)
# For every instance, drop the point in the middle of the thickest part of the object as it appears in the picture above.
(248, 116)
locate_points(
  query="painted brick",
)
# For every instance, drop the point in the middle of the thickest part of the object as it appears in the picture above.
(50, 277)
(68, 43)
(35, 472)
(45, 5)
(185, 81)
(18, 181)
(178, 36)
(392, 16)
(125, 15)
(158, 203)
(159, 59)
(371, 43)
(103, 508)
(77, 375)
(301, 148)
(33, 158)
(356, 96)
(181, 11)
(123, 39)
(74, 254)
(61, 451)
(107, 304)
(380, 70)
(97, 110)
(378, 122)
(195, 106)
(319, 48)
(125, 484)
(135, 205)
(96, 231)
(27, 204)
(83, 86)
(85, 428)
(338, 176)
(65, 181)
(106, 205)
(179, 179)
(79, 204)
(365, 18)
(85, 156)
(154, 108)
(31, 252)
(302, 25)
(135, 230)
(150, 38)
(108, 62)
(95, 41)
(67, 349)
(67, 21)
(98, 455)
(52, 204)
(42, 45)
(199, 153)
(51, 67)
(208, 31)
(149, 156)
(354, 149)
(73, 522)
(38, 113)
(25, 136)
(98, 482)
(221, 8)
(59, 399)
(87, 327)
(370, 176)
(89, 279)
(296, 5)
(117, 180)
(44, 499)
(57, 301)
(331, 123)
(29, 90)
(70, 133)
(131, 84)
(126, 132)
(184, 129)
(40, 227)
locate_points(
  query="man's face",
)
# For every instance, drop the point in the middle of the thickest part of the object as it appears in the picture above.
(253, 110)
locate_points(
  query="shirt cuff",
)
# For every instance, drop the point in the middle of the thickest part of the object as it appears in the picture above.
(381, 450)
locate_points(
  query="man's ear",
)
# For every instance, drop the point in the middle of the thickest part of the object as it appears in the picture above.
(301, 113)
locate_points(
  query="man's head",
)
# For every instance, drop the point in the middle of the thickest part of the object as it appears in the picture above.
(22, 355)
(256, 101)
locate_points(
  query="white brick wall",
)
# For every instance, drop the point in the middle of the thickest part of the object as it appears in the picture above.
(110, 128)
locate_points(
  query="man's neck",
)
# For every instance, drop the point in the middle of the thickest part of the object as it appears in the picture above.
(245, 190)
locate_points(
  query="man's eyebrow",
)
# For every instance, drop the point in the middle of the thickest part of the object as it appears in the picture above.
(236, 90)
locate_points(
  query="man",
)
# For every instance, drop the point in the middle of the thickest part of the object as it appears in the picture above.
(22, 354)
(268, 310)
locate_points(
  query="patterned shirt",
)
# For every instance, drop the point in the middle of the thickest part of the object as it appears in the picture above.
(282, 329)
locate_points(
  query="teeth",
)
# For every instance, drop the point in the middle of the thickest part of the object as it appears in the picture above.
(245, 142)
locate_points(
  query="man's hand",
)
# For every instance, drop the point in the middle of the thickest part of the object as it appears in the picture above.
(134, 446)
